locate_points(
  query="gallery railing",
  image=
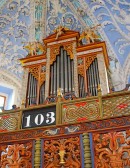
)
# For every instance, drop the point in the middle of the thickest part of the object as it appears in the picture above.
(65, 111)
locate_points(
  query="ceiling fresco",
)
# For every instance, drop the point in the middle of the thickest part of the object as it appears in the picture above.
(113, 15)
(14, 30)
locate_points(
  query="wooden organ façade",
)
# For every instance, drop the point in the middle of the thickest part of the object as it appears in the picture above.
(77, 70)
(66, 122)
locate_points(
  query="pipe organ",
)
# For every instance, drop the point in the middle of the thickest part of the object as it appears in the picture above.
(68, 65)
(72, 129)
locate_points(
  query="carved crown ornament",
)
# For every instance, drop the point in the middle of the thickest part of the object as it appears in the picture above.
(63, 37)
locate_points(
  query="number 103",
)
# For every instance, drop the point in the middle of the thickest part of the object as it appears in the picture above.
(49, 118)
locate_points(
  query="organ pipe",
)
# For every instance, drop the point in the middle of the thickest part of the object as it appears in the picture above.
(62, 73)
(32, 90)
(93, 78)
(89, 82)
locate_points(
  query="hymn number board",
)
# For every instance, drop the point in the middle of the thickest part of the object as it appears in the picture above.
(39, 117)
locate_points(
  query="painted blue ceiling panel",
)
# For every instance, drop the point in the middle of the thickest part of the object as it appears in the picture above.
(114, 16)
(14, 30)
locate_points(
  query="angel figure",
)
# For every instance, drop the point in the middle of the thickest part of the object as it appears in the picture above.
(90, 35)
(40, 48)
(31, 47)
(59, 31)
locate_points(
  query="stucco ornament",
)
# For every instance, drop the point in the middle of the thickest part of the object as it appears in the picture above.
(14, 29)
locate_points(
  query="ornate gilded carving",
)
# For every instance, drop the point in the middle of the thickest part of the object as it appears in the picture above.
(89, 60)
(62, 152)
(55, 50)
(16, 155)
(90, 35)
(34, 70)
(31, 48)
(81, 70)
(69, 48)
(60, 30)
(34, 47)
(42, 78)
(112, 149)
(40, 48)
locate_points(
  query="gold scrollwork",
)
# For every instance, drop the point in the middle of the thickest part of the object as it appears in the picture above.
(81, 70)
(34, 71)
(89, 60)
(69, 49)
(55, 50)
(42, 78)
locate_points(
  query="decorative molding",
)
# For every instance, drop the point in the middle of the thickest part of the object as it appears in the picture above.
(34, 62)
(61, 41)
(89, 51)
(66, 129)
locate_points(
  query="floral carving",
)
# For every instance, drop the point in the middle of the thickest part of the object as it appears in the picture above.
(62, 152)
(112, 149)
(55, 50)
(34, 70)
(16, 155)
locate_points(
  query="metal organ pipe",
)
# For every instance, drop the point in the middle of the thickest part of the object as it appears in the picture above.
(72, 75)
(62, 70)
(54, 77)
(65, 72)
(42, 94)
(51, 90)
(93, 78)
(32, 90)
(62, 73)
(69, 76)
(58, 71)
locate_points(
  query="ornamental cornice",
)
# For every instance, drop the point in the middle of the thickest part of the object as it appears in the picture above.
(79, 128)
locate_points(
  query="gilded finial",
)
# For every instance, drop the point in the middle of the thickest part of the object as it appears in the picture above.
(59, 92)
(99, 88)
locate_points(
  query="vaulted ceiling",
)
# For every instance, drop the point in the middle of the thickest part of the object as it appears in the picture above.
(29, 20)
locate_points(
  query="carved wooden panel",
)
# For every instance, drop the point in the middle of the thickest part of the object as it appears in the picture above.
(18, 155)
(9, 122)
(34, 70)
(80, 111)
(116, 106)
(112, 149)
(63, 152)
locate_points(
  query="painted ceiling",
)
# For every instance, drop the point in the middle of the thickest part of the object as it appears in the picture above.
(29, 20)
